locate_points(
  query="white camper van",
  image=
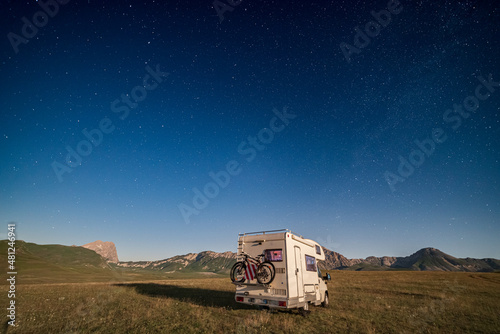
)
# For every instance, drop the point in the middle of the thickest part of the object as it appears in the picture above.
(279, 269)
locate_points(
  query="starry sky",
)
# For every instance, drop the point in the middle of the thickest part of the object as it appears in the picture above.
(169, 127)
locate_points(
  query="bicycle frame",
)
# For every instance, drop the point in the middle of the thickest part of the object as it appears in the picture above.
(255, 260)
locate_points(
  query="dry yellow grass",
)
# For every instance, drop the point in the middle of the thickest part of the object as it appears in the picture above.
(361, 302)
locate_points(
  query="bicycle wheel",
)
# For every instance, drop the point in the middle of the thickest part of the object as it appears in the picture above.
(265, 273)
(238, 272)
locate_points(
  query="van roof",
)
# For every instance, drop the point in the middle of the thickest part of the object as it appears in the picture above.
(254, 235)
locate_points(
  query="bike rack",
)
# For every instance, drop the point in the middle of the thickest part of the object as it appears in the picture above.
(241, 245)
(240, 257)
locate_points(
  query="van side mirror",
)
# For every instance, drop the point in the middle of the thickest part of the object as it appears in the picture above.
(327, 277)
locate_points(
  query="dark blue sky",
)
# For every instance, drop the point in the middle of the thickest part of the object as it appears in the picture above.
(307, 136)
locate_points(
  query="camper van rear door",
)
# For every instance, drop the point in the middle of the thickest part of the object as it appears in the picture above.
(298, 272)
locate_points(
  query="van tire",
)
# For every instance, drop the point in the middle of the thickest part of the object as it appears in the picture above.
(326, 301)
(304, 311)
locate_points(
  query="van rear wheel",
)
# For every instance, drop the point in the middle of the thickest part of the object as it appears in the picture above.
(326, 301)
(304, 311)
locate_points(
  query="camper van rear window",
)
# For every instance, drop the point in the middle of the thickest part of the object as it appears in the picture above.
(274, 255)
(310, 263)
(318, 250)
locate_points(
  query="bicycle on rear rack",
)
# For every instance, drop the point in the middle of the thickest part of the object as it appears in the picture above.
(252, 267)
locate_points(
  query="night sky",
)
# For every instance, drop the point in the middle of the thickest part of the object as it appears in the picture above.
(169, 127)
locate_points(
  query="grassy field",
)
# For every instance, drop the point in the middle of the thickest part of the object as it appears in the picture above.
(361, 302)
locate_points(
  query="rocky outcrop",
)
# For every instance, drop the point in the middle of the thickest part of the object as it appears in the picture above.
(106, 249)
(334, 260)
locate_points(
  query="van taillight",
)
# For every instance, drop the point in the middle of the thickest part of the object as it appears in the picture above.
(282, 304)
(239, 299)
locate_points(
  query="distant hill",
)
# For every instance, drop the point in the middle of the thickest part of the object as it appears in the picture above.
(106, 249)
(55, 263)
(207, 261)
(425, 259)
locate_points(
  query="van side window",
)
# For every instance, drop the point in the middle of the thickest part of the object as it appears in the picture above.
(318, 250)
(310, 263)
(273, 255)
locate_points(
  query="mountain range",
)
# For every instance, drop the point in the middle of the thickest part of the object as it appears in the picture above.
(426, 259)
(58, 263)
(207, 261)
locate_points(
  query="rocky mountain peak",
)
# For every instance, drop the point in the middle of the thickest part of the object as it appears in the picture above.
(334, 260)
(106, 249)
